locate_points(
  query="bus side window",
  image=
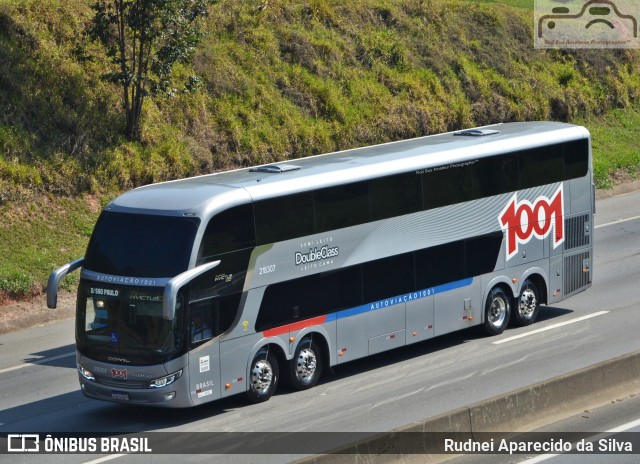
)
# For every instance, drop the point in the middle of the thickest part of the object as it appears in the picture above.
(229, 230)
(228, 308)
(342, 206)
(212, 317)
(496, 175)
(440, 264)
(388, 277)
(311, 296)
(540, 166)
(201, 325)
(285, 217)
(447, 186)
(576, 158)
(395, 195)
(481, 253)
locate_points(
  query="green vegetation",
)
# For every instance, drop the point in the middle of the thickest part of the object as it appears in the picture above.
(279, 79)
(615, 146)
(39, 236)
(145, 41)
(528, 4)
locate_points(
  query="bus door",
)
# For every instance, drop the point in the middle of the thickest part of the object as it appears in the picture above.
(207, 320)
(204, 367)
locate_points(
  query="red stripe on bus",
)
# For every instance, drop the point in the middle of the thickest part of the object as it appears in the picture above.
(285, 329)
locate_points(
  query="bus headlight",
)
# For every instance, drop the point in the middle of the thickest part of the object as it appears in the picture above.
(85, 373)
(164, 381)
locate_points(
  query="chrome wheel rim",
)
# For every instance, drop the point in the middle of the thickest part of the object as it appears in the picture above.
(528, 303)
(261, 376)
(497, 312)
(306, 365)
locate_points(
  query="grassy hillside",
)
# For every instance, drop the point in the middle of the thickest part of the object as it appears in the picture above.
(282, 79)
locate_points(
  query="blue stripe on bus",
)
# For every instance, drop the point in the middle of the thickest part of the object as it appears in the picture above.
(396, 300)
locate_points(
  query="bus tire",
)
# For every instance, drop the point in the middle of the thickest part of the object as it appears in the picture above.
(263, 377)
(496, 311)
(527, 305)
(305, 368)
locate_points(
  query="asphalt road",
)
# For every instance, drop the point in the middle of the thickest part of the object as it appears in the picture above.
(39, 388)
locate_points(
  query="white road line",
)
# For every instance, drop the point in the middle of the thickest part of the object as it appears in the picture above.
(105, 458)
(625, 427)
(619, 221)
(620, 428)
(549, 327)
(33, 363)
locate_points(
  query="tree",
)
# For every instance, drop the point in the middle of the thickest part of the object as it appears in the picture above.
(144, 39)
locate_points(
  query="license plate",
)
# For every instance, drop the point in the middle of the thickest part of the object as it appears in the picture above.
(122, 396)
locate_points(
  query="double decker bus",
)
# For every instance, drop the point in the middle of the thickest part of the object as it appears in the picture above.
(202, 288)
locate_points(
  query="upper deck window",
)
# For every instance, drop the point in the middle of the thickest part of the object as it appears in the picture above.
(141, 245)
(230, 230)
(286, 217)
(395, 195)
(342, 206)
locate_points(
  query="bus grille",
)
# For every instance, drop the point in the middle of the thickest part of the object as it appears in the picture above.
(577, 232)
(121, 383)
(577, 272)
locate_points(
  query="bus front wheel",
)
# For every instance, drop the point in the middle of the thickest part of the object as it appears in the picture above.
(263, 377)
(305, 368)
(496, 312)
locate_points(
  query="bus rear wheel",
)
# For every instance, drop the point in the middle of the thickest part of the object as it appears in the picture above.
(527, 305)
(496, 311)
(305, 368)
(263, 377)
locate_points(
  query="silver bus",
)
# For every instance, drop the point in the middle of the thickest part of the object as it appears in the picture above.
(202, 288)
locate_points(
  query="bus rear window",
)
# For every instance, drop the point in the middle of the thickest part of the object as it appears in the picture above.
(141, 245)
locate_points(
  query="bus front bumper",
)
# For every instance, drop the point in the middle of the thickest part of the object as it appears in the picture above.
(175, 395)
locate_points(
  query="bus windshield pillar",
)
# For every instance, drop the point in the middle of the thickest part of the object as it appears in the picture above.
(172, 287)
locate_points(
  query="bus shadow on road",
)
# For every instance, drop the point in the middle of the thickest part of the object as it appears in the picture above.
(381, 360)
(63, 356)
(551, 312)
(72, 412)
(431, 346)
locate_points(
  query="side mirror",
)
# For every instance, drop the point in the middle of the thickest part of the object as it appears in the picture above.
(172, 288)
(55, 278)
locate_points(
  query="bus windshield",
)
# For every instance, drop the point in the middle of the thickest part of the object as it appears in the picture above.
(141, 245)
(115, 322)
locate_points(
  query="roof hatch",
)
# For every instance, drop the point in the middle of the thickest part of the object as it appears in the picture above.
(477, 132)
(275, 168)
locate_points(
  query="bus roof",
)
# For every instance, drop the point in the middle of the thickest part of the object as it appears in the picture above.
(203, 195)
